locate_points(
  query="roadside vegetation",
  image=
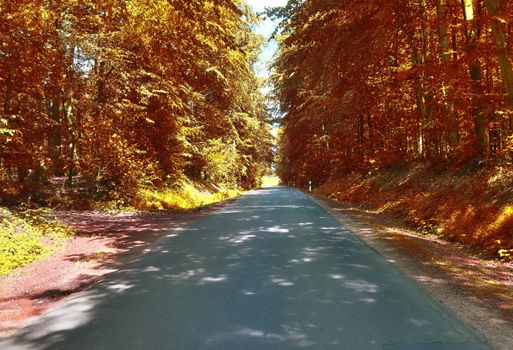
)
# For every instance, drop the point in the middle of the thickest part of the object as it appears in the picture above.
(470, 206)
(125, 105)
(406, 106)
(27, 236)
(185, 196)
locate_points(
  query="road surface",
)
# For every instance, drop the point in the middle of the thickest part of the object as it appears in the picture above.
(271, 270)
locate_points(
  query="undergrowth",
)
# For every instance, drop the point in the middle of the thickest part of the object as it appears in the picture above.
(27, 236)
(471, 207)
(184, 195)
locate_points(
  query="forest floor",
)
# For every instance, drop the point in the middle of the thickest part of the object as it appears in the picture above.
(472, 205)
(103, 243)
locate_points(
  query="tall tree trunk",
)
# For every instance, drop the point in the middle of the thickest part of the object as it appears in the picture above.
(371, 134)
(420, 59)
(70, 123)
(497, 26)
(55, 137)
(480, 118)
(361, 130)
(445, 54)
(8, 94)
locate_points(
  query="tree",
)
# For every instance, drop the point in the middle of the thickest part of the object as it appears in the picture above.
(129, 93)
(373, 83)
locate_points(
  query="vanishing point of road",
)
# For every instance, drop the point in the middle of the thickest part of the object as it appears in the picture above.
(269, 271)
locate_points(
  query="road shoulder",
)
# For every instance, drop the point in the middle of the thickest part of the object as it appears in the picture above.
(478, 291)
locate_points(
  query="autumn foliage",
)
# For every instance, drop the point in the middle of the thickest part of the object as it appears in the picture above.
(366, 87)
(130, 94)
(366, 84)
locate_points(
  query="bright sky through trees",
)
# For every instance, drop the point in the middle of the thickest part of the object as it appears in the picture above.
(266, 28)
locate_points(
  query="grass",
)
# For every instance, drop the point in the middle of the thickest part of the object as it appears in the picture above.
(28, 236)
(185, 195)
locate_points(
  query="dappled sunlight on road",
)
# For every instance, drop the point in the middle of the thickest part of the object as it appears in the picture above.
(270, 271)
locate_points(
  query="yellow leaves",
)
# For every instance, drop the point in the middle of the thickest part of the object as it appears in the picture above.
(501, 19)
(216, 26)
(505, 253)
(238, 58)
(28, 236)
(219, 75)
(127, 104)
(160, 92)
(250, 123)
(505, 217)
(184, 195)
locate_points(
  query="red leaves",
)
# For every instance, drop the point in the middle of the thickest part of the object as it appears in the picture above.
(128, 93)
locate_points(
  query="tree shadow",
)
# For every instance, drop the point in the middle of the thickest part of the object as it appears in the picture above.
(270, 271)
(449, 264)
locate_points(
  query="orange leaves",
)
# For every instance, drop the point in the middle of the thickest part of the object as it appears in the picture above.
(128, 93)
(430, 75)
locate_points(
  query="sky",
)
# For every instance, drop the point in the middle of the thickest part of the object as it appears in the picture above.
(266, 28)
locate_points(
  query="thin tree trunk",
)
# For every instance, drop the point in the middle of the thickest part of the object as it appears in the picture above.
(70, 122)
(420, 59)
(371, 136)
(445, 55)
(361, 129)
(55, 138)
(8, 95)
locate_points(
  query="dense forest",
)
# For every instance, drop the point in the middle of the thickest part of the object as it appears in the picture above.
(366, 83)
(408, 104)
(117, 96)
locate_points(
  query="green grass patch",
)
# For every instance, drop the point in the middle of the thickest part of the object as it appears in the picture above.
(185, 195)
(28, 236)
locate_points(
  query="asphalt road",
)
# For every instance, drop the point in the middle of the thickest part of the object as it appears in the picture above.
(271, 270)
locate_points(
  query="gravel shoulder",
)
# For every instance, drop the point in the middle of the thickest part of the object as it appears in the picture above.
(477, 290)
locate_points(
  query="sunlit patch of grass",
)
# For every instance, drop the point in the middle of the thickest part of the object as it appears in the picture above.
(28, 236)
(270, 181)
(184, 196)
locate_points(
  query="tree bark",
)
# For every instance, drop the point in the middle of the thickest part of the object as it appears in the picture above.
(55, 138)
(480, 118)
(497, 26)
(445, 55)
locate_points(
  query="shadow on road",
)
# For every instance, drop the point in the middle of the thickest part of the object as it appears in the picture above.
(269, 271)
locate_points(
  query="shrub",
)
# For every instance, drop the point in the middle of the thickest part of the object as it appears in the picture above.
(26, 237)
